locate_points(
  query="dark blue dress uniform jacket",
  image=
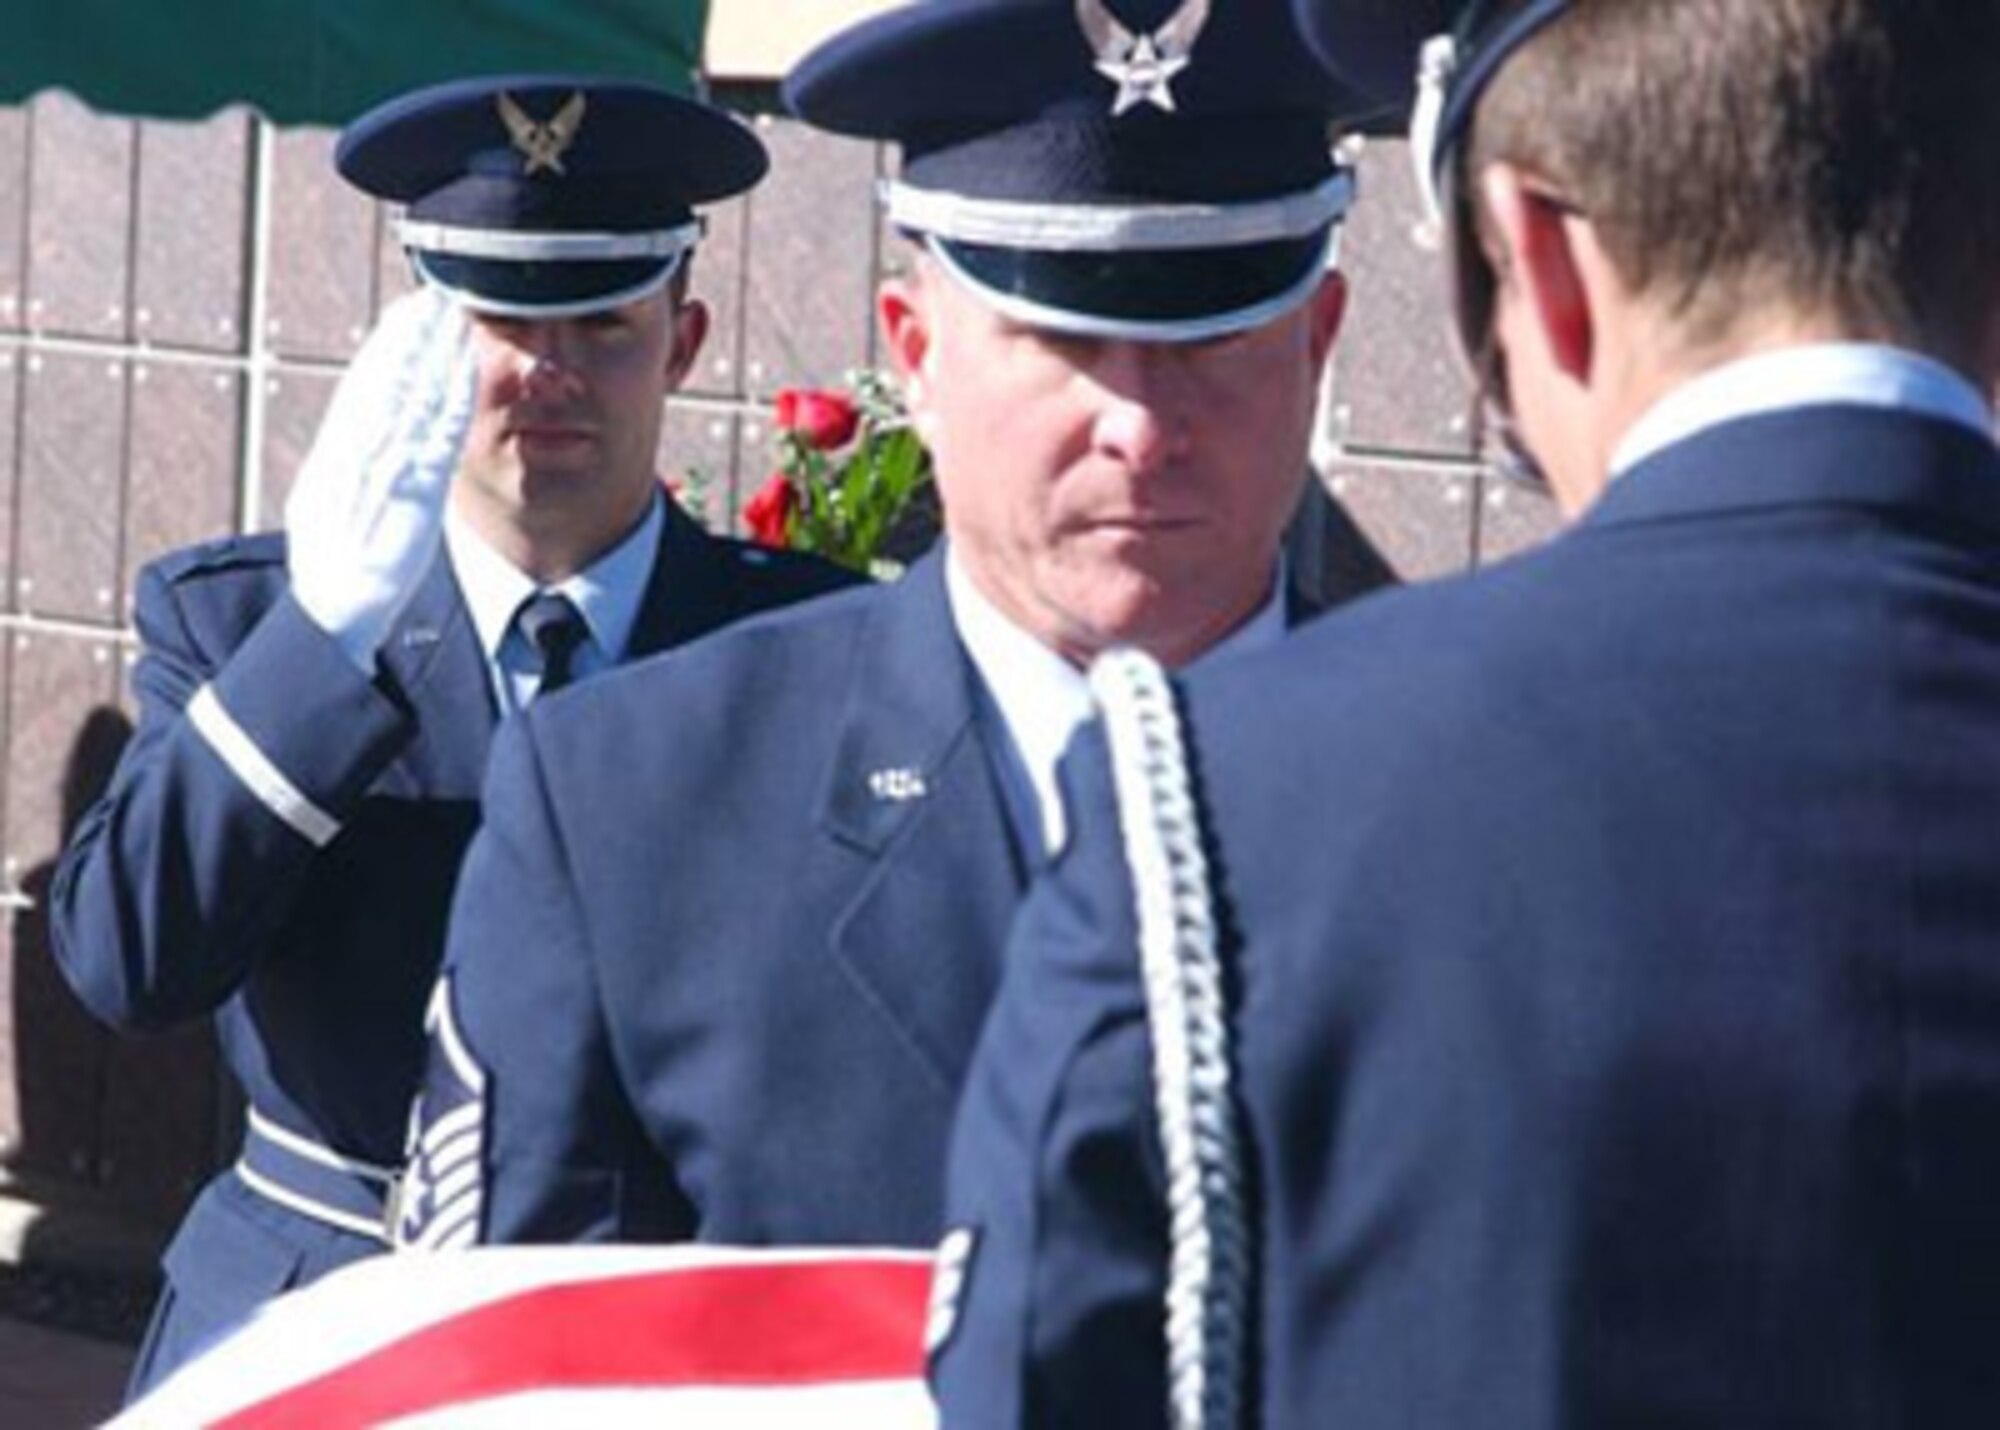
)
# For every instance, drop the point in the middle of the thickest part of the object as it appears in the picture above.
(183, 894)
(723, 947)
(1616, 938)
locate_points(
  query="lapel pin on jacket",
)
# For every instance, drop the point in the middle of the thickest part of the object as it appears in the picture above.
(897, 785)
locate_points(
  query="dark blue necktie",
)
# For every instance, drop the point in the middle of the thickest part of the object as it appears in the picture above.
(555, 628)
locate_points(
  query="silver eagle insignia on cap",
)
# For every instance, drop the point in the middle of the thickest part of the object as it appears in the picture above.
(1143, 66)
(542, 144)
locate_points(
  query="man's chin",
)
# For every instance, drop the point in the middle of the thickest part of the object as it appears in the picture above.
(1125, 608)
(1174, 611)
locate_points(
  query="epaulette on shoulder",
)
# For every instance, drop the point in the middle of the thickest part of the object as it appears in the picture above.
(798, 563)
(750, 553)
(257, 551)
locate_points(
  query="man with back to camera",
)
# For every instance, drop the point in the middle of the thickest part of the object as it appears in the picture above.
(727, 937)
(1610, 941)
(479, 521)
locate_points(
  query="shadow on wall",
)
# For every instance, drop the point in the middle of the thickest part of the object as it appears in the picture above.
(114, 1133)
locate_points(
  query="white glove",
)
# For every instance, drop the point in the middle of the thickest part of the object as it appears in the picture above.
(363, 520)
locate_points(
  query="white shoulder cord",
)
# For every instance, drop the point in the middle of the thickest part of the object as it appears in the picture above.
(1208, 1275)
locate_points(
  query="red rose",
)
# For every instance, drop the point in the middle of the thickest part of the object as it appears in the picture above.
(769, 512)
(821, 420)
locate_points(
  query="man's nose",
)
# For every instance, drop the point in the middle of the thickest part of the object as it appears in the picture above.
(1141, 422)
(544, 362)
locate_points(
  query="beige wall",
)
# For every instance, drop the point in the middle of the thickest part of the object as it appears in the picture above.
(760, 39)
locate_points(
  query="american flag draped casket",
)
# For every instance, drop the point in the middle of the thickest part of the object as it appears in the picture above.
(685, 1336)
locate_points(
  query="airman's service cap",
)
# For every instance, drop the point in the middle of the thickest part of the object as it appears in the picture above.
(545, 196)
(1150, 169)
(1448, 50)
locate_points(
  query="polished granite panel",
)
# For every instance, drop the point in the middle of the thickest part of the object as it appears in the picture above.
(756, 455)
(294, 401)
(79, 220)
(11, 968)
(1513, 518)
(323, 251)
(393, 274)
(13, 371)
(56, 1057)
(182, 481)
(192, 256)
(717, 280)
(893, 254)
(698, 460)
(61, 716)
(72, 486)
(67, 739)
(13, 214)
(1398, 382)
(1419, 518)
(810, 289)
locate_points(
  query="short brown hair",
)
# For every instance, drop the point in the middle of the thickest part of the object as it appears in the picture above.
(1838, 157)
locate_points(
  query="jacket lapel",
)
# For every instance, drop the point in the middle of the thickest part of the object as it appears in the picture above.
(433, 657)
(911, 788)
(1303, 606)
(690, 590)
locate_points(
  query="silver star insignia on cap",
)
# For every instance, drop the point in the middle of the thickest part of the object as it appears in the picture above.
(1143, 66)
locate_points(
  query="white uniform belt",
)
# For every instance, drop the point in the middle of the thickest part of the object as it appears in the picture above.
(307, 1177)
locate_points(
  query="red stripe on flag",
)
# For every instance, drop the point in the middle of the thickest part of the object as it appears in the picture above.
(800, 1324)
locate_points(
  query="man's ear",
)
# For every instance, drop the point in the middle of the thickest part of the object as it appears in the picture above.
(1538, 241)
(1989, 363)
(690, 323)
(903, 313)
(1328, 310)
(904, 320)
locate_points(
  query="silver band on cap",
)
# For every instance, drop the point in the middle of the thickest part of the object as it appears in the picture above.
(1436, 65)
(509, 246)
(1115, 228)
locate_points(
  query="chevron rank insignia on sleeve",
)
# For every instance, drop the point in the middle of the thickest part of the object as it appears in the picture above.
(442, 1190)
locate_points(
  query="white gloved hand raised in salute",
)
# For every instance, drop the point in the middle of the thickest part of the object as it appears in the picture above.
(363, 520)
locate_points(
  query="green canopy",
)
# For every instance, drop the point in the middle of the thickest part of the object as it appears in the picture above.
(324, 61)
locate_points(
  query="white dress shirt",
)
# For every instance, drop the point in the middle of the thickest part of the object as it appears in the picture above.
(608, 593)
(1039, 699)
(1841, 374)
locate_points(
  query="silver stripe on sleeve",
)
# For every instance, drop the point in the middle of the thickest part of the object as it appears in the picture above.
(249, 764)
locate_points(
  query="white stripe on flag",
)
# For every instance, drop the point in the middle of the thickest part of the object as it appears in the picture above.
(880, 1405)
(764, 1338)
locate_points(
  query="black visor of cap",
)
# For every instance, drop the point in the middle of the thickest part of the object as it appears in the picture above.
(1163, 286)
